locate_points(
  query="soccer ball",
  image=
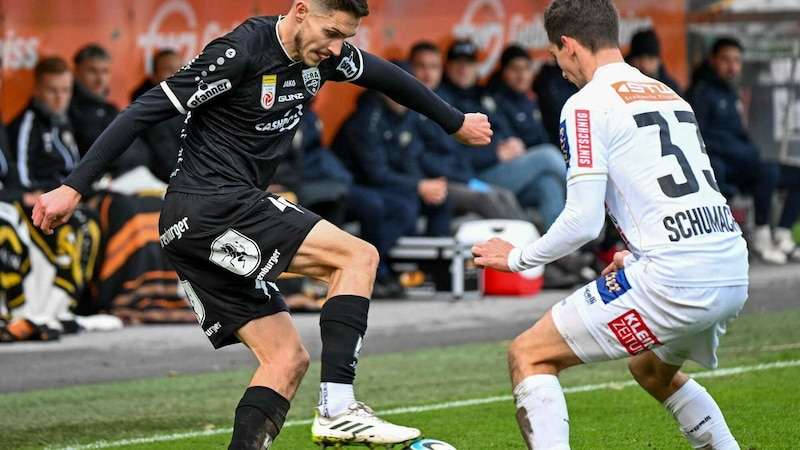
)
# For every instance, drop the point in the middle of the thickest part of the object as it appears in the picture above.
(429, 444)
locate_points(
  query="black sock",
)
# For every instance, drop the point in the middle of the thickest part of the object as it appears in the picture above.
(259, 418)
(342, 323)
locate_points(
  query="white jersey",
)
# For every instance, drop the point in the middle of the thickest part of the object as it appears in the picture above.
(642, 139)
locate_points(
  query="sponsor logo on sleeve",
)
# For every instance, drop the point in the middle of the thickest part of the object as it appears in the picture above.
(563, 141)
(235, 252)
(312, 80)
(268, 89)
(206, 92)
(583, 131)
(633, 333)
(348, 67)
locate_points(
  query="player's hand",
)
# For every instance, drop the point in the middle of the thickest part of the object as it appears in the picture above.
(617, 263)
(475, 130)
(492, 254)
(54, 208)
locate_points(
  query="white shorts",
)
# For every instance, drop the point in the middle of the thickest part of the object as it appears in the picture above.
(623, 314)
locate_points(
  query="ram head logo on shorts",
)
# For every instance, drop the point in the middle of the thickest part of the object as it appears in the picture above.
(236, 253)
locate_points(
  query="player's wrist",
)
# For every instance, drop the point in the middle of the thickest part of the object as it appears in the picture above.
(515, 262)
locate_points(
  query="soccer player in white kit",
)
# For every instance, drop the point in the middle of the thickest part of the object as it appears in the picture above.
(633, 146)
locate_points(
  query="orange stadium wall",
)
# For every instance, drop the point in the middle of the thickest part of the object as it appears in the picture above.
(132, 30)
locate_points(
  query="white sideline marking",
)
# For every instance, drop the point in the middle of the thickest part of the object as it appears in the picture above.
(478, 401)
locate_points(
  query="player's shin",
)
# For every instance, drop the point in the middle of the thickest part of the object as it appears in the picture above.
(700, 418)
(259, 418)
(542, 413)
(343, 322)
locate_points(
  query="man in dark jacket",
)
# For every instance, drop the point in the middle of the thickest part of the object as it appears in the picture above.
(90, 111)
(44, 152)
(645, 55)
(735, 158)
(163, 140)
(537, 176)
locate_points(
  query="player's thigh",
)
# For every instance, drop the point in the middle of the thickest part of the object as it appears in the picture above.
(542, 344)
(327, 249)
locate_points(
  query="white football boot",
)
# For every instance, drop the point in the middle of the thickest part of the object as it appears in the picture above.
(358, 425)
(762, 245)
(785, 243)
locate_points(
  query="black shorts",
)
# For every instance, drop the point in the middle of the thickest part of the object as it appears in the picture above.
(228, 249)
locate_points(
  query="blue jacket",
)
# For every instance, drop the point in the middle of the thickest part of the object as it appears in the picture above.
(716, 105)
(520, 112)
(473, 100)
(380, 147)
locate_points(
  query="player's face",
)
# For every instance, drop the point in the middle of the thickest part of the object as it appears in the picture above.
(322, 36)
(54, 90)
(727, 62)
(166, 65)
(95, 75)
(647, 64)
(518, 74)
(568, 64)
(427, 67)
(462, 72)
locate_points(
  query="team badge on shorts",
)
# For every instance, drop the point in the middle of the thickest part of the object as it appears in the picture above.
(235, 252)
(612, 286)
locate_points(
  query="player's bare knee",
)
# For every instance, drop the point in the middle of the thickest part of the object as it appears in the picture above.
(363, 256)
(648, 375)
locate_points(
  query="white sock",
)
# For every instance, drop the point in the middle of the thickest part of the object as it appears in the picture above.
(334, 398)
(700, 418)
(542, 413)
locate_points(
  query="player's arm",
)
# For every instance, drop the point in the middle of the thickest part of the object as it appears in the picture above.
(580, 222)
(55, 207)
(402, 87)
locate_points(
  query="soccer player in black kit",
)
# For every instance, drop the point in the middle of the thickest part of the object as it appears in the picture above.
(228, 239)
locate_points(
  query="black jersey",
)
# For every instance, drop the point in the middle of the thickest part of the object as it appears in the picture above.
(245, 97)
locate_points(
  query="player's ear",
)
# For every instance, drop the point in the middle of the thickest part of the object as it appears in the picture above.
(300, 9)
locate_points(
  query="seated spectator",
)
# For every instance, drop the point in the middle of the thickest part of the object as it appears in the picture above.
(444, 157)
(91, 113)
(163, 140)
(645, 55)
(45, 151)
(380, 216)
(380, 144)
(537, 176)
(735, 158)
(552, 91)
(135, 280)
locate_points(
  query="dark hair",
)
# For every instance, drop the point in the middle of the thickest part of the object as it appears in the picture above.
(724, 42)
(163, 53)
(593, 23)
(90, 51)
(422, 46)
(359, 8)
(52, 65)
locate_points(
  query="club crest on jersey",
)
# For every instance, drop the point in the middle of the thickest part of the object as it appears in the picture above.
(312, 80)
(583, 132)
(268, 89)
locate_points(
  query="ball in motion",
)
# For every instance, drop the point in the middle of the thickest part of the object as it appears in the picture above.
(429, 444)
